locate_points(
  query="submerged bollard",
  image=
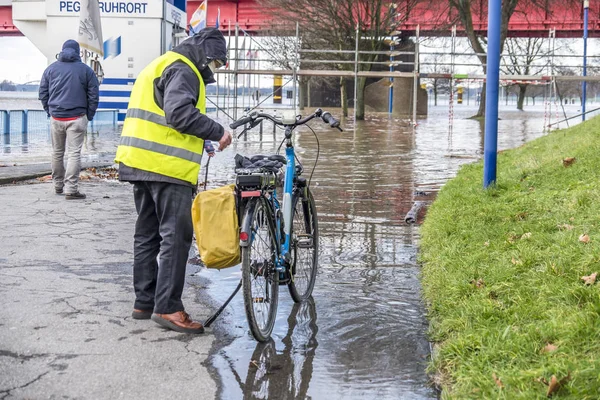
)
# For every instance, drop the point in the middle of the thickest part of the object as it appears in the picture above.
(24, 119)
(411, 216)
(6, 122)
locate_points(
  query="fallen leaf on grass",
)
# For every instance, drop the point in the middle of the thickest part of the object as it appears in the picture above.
(497, 380)
(516, 262)
(567, 162)
(584, 238)
(526, 235)
(486, 244)
(512, 238)
(555, 384)
(549, 348)
(478, 283)
(566, 227)
(590, 279)
(521, 216)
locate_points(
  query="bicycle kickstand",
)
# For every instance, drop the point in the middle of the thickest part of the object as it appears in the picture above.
(213, 317)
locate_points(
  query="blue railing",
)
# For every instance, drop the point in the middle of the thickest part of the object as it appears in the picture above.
(36, 121)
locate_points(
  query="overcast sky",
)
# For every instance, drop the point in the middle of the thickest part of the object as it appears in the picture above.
(20, 60)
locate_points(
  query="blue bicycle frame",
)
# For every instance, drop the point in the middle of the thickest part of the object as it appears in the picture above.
(284, 213)
(288, 187)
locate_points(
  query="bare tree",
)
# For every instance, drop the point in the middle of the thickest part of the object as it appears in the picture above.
(525, 56)
(568, 89)
(8, 86)
(465, 9)
(332, 25)
(435, 64)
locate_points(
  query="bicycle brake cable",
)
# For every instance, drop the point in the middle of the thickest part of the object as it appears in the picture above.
(206, 173)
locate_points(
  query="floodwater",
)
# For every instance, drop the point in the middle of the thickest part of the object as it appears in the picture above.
(363, 335)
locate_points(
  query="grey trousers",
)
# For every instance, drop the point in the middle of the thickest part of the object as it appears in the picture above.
(162, 240)
(71, 134)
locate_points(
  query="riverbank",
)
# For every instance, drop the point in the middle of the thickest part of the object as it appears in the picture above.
(508, 273)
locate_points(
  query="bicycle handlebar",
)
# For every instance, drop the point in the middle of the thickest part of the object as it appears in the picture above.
(241, 121)
(329, 119)
(325, 116)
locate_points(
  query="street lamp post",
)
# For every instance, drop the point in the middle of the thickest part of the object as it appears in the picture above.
(490, 146)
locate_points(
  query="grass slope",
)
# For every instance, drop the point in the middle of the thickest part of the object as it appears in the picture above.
(502, 273)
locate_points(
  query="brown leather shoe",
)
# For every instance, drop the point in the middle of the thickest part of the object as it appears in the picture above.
(179, 322)
(141, 314)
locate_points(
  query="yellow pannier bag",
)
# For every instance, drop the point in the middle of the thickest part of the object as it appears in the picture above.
(216, 227)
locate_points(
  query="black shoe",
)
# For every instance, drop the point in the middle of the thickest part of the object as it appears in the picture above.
(141, 314)
(75, 196)
(58, 191)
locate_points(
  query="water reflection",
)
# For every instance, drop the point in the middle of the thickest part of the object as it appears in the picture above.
(371, 326)
(285, 374)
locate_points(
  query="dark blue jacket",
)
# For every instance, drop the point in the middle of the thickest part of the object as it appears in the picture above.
(69, 88)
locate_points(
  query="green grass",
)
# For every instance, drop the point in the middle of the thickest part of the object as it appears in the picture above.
(502, 272)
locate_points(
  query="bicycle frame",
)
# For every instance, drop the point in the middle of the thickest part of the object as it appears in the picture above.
(283, 250)
(287, 210)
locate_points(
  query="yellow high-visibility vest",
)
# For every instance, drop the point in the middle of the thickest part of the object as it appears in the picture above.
(147, 141)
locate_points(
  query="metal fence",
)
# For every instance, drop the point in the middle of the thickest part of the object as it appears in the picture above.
(36, 121)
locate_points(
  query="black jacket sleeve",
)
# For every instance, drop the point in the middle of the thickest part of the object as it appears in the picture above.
(92, 94)
(176, 92)
(44, 91)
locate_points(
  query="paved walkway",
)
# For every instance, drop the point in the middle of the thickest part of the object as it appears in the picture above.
(66, 296)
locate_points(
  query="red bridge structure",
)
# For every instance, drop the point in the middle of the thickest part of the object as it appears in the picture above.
(433, 18)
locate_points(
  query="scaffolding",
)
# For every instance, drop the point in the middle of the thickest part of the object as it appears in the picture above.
(256, 60)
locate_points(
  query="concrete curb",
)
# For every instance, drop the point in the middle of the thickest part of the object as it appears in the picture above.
(17, 173)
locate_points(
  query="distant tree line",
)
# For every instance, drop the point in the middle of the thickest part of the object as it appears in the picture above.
(8, 86)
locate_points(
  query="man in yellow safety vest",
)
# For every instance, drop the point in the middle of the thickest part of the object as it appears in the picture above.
(161, 145)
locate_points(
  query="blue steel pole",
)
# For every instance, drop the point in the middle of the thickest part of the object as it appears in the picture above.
(391, 94)
(490, 146)
(586, 6)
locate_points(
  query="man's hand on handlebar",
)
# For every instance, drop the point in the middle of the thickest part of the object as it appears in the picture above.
(225, 141)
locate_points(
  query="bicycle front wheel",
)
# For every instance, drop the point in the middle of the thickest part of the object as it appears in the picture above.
(304, 246)
(260, 279)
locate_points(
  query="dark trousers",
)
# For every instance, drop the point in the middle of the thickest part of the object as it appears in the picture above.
(162, 240)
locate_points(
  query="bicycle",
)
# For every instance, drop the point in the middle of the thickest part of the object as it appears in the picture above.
(279, 240)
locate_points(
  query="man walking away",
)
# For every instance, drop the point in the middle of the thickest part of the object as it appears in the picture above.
(69, 94)
(160, 150)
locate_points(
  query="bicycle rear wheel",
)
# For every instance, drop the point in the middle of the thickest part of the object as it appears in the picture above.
(304, 246)
(260, 279)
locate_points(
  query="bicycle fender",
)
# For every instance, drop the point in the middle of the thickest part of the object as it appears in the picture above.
(245, 228)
